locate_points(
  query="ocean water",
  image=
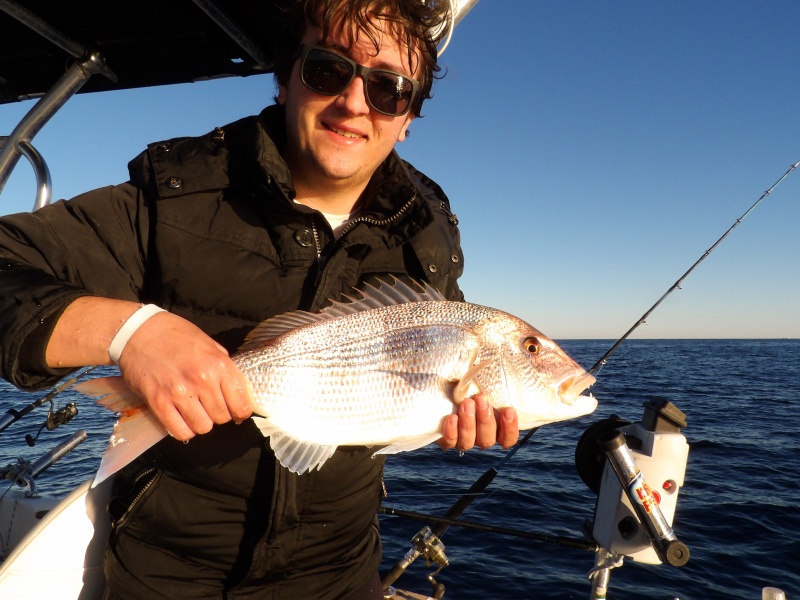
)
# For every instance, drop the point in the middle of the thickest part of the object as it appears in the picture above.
(738, 511)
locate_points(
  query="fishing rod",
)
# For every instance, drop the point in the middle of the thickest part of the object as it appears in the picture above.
(12, 415)
(55, 418)
(426, 543)
(677, 285)
(559, 540)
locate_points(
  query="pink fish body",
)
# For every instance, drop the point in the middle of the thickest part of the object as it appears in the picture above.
(383, 370)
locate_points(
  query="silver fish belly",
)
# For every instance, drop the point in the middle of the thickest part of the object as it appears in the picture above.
(388, 375)
(381, 370)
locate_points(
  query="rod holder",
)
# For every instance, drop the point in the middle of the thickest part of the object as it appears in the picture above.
(667, 546)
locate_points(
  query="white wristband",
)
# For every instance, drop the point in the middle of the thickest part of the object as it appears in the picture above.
(129, 328)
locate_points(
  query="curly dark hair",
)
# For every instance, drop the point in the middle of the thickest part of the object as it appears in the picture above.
(417, 24)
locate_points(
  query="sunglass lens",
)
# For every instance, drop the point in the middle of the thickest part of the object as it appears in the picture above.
(388, 92)
(329, 74)
(326, 73)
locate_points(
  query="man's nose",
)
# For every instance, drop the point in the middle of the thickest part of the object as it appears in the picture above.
(354, 97)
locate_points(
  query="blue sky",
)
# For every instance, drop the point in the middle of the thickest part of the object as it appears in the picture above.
(593, 151)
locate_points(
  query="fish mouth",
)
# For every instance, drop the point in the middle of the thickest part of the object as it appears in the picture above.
(570, 388)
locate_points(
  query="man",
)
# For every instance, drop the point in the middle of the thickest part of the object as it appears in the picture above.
(279, 212)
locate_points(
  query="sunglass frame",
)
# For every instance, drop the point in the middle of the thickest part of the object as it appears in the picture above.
(357, 71)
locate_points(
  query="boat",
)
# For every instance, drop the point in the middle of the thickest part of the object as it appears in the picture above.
(78, 526)
(636, 468)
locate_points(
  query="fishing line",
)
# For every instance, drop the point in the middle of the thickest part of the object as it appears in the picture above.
(677, 285)
(458, 507)
(477, 488)
(579, 544)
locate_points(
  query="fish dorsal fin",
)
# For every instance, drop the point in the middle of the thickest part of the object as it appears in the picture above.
(272, 328)
(387, 293)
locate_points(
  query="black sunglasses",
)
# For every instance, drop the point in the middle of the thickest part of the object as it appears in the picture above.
(326, 72)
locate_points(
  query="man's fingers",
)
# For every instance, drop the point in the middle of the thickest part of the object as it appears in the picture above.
(188, 379)
(238, 395)
(508, 427)
(485, 424)
(215, 407)
(174, 422)
(477, 423)
(466, 425)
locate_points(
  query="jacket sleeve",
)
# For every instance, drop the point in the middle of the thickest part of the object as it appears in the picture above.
(91, 245)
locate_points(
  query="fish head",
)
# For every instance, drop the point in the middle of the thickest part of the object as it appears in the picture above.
(529, 372)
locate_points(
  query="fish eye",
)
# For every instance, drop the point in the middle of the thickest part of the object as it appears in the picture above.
(532, 345)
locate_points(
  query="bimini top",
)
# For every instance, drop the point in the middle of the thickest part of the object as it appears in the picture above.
(52, 50)
(142, 43)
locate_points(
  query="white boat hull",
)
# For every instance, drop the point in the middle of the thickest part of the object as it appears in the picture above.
(61, 556)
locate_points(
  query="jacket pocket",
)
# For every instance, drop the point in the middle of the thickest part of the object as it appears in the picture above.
(129, 494)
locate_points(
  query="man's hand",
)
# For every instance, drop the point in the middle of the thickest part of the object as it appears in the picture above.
(478, 424)
(187, 379)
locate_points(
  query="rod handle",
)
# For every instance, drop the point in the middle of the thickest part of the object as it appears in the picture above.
(663, 539)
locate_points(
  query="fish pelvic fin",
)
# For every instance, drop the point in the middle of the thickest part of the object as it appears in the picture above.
(136, 431)
(299, 457)
(387, 293)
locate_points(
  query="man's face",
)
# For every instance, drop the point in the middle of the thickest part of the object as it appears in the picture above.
(337, 142)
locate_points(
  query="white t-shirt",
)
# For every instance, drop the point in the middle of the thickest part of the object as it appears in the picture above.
(337, 222)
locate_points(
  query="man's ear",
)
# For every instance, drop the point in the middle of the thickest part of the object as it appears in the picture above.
(282, 93)
(404, 132)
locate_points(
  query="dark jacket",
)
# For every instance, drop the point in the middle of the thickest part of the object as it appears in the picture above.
(207, 229)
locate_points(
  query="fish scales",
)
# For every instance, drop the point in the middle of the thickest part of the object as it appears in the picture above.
(366, 377)
(384, 370)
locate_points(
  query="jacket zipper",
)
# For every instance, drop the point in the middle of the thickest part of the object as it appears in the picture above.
(146, 487)
(315, 233)
(323, 255)
(451, 216)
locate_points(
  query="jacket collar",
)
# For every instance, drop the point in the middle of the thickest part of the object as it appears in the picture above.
(247, 153)
(389, 189)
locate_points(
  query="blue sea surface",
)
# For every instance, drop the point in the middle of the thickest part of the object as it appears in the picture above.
(737, 512)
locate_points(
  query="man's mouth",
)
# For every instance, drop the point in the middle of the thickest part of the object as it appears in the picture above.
(347, 134)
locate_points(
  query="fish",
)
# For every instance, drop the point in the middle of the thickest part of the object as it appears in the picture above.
(382, 368)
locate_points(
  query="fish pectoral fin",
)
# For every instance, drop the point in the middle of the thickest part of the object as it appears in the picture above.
(137, 429)
(407, 444)
(467, 386)
(293, 454)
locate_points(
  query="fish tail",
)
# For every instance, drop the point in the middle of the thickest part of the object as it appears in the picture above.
(137, 429)
(112, 393)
